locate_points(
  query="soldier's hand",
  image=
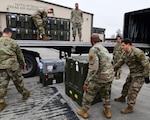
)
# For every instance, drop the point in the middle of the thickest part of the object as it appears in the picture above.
(85, 87)
(24, 68)
(147, 80)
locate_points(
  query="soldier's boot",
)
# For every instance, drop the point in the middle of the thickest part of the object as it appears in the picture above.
(80, 40)
(38, 37)
(83, 113)
(115, 74)
(2, 106)
(120, 99)
(74, 38)
(46, 37)
(127, 110)
(118, 77)
(26, 95)
(107, 112)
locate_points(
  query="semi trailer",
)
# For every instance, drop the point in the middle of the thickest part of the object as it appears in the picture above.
(16, 14)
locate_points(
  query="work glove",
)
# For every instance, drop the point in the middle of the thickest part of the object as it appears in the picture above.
(147, 80)
(85, 87)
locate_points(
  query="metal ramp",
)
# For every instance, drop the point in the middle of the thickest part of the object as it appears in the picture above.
(45, 103)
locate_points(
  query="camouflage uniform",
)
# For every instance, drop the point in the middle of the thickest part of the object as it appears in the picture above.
(39, 19)
(77, 20)
(1, 34)
(117, 52)
(99, 78)
(139, 69)
(11, 59)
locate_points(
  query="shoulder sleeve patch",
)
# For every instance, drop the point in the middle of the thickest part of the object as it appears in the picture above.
(92, 58)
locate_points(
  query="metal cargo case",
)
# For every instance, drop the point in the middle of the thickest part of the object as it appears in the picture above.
(15, 20)
(18, 33)
(28, 23)
(69, 71)
(77, 96)
(76, 71)
(55, 23)
(51, 78)
(81, 70)
(52, 66)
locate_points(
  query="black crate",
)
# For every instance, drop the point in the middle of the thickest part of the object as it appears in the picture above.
(48, 24)
(55, 23)
(55, 34)
(28, 23)
(48, 32)
(66, 35)
(69, 91)
(11, 20)
(27, 34)
(18, 33)
(51, 78)
(20, 21)
(67, 25)
(80, 74)
(78, 95)
(69, 71)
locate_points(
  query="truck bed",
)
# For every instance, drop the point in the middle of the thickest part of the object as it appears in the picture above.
(73, 47)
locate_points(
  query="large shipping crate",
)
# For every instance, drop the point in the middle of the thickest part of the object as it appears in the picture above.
(51, 71)
(76, 70)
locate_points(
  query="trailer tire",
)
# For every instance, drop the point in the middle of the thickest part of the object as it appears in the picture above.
(31, 68)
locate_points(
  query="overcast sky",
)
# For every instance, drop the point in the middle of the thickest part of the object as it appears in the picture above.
(108, 14)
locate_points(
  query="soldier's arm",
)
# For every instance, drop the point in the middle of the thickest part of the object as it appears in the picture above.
(145, 63)
(119, 63)
(81, 17)
(44, 17)
(93, 66)
(71, 16)
(20, 56)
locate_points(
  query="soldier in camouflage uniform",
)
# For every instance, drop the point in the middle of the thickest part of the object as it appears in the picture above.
(138, 64)
(117, 52)
(39, 19)
(77, 20)
(11, 59)
(99, 78)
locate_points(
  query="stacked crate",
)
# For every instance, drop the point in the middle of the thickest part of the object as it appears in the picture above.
(23, 27)
(76, 70)
(60, 29)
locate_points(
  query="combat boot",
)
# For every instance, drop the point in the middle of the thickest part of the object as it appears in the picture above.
(26, 95)
(82, 113)
(46, 37)
(120, 99)
(107, 112)
(38, 37)
(127, 110)
(74, 38)
(117, 75)
(80, 39)
(2, 106)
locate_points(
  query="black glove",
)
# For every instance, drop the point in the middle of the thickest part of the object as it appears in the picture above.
(147, 80)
